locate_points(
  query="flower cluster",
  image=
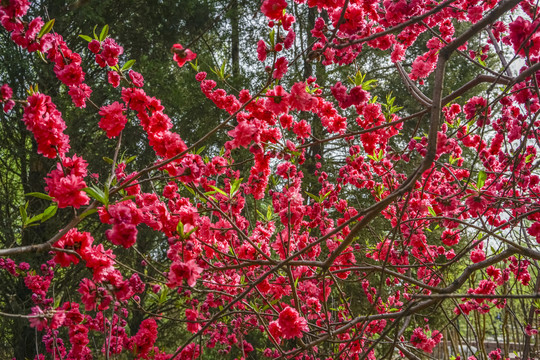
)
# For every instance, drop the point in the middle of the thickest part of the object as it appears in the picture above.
(65, 184)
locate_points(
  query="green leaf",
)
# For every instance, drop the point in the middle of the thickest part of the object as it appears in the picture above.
(326, 195)
(108, 160)
(49, 213)
(194, 65)
(130, 159)
(46, 28)
(180, 229)
(96, 193)
(432, 211)
(33, 219)
(222, 70)
(94, 31)
(235, 186)
(269, 213)
(128, 65)
(24, 214)
(104, 33)
(88, 213)
(200, 150)
(314, 197)
(40, 195)
(85, 37)
(218, 190)
(272, 38)
(163, 295)
(41, 56)
(369, 85)
(189, 189)
(481, 179)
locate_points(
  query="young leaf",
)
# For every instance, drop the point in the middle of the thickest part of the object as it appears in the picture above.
(269, 213)
(104, 33)
(314, 197)
(46, 28)
(49, 213)
(86, 37)
(130, 159)
(96, 193)
(194, 65)
(128, 65)
(88, 213)
(200, 150)
(272, 38)
(40, 195)
(24, 214)
(218, 190)
(108, 160)
(33, 219)
(481, 179)
(94, 31)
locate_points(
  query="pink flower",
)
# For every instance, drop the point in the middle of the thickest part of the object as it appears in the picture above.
(88, 291)
(65, 184)
(302, 129)
(122, 234)
(280, 68)
(38, 319)
(6, 92)
(478, 255)
(450, 238)
(262, 50)
(113, 119)
(291, 323)
(530, 331)
(192, 316)
(534, 230)
(243, 134)
(145, 338)
(94, 46)
(276, 101)
(114, 78)
(477, 204)
(300, 99)
(273, 9)
(73, 240)
(111, 51)
(79, 94)
(181, 55)
(43, 119)
(8, 105)
(136, 78)
(189, 271)
(420, 340)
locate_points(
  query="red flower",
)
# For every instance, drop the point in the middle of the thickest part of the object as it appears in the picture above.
(181, 55)
(189, 271)
(262, 50)
(80, 242)
(273, 9)
(114, 78)
(137, 78)
(65, 184)
(113, 119)
(79, 94)
(291, 323)
(280, 68)
(146, 337)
